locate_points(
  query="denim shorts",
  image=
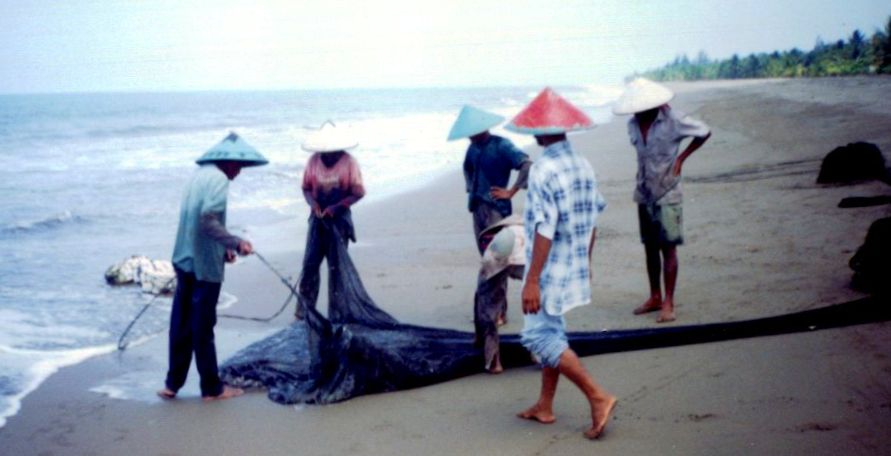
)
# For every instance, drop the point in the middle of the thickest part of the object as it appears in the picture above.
(544, 336)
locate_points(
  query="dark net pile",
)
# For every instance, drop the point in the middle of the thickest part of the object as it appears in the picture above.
(360, 349)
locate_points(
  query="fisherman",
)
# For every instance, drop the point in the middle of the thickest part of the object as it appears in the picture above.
(504, 256)
(332, 183)
(202, 247)
(488, 163)
(656, 132)
(562, 207)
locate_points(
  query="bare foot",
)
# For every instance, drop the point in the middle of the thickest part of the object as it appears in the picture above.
(667, 313)
(652, 305)
(534, 413)
(228, 393)
(166, 393)
(601, 419)
(495, 367)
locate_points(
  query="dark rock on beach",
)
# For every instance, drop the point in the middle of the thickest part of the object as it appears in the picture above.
(872, 261)
(855, 162)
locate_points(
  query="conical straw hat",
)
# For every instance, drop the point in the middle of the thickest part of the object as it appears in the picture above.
(549, 114)
(507, 248)
(472, 121)
(641, 95)
(233, 148)
(330, 138)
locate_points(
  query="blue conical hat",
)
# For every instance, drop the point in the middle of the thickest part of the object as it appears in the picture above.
(233, 148)
(472, 121)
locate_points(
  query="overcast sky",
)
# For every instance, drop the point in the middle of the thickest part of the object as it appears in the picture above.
(114, 45)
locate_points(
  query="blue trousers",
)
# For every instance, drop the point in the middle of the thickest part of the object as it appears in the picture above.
(192, 320)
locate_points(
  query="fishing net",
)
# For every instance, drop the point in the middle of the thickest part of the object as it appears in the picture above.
(361, 349)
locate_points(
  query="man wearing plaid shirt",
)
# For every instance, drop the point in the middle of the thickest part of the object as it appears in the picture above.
(562, 204)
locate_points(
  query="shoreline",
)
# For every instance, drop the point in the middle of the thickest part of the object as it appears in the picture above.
(757, 245)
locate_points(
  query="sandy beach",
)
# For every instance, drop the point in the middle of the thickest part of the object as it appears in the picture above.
(762, 238)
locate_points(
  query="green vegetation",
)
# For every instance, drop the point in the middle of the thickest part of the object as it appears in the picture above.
(857, 55)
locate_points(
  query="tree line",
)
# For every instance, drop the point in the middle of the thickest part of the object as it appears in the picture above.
(856, 55)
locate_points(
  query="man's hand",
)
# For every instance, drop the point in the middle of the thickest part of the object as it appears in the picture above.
(531, 297)
(541, 247)
(500, 193)
(328, 212)
(231, 256)
(245, 248)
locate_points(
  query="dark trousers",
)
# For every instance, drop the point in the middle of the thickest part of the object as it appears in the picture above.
(192, 320)
(490, 299)
(319, 238)
(489, 305)
(484, 216)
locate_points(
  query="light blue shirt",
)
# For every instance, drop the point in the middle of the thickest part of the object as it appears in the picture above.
(562, 204)
(194, 250)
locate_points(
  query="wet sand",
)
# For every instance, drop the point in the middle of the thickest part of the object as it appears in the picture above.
(762, 238)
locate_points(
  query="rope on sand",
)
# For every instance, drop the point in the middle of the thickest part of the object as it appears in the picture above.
(284, 306)
(121, 344)
(293, 292)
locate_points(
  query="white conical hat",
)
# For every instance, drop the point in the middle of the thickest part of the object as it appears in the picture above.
(641, 95)
(329, 138)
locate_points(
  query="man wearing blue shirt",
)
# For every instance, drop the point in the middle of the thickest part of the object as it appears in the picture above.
(202, 247)
(488, 164)
(487, 168)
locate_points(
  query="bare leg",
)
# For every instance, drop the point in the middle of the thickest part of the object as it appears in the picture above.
(654, 272)
(543, 410)
(602, 403)
(671, 276)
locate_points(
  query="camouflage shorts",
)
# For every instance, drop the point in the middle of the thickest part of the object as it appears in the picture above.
(661, 224)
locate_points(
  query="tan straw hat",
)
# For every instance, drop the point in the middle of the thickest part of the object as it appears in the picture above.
(330, 138)
(641, 95)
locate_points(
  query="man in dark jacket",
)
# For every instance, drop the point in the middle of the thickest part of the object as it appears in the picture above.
(487, 168)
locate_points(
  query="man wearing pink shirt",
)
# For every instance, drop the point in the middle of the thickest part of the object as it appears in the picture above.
(332, 183)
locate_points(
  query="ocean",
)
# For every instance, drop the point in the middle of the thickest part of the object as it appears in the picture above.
(89, 179)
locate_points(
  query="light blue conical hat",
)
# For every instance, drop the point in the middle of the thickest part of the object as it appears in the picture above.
(233, 148)
(472, 121)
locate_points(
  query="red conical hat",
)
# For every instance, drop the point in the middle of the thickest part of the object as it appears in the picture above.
(549, 114)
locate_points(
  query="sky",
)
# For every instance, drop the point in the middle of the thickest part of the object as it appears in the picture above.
(176, 45)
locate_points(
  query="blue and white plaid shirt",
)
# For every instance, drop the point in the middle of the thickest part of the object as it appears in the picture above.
(562, 204)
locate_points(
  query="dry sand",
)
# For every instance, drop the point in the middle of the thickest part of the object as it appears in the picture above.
(762, 239)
